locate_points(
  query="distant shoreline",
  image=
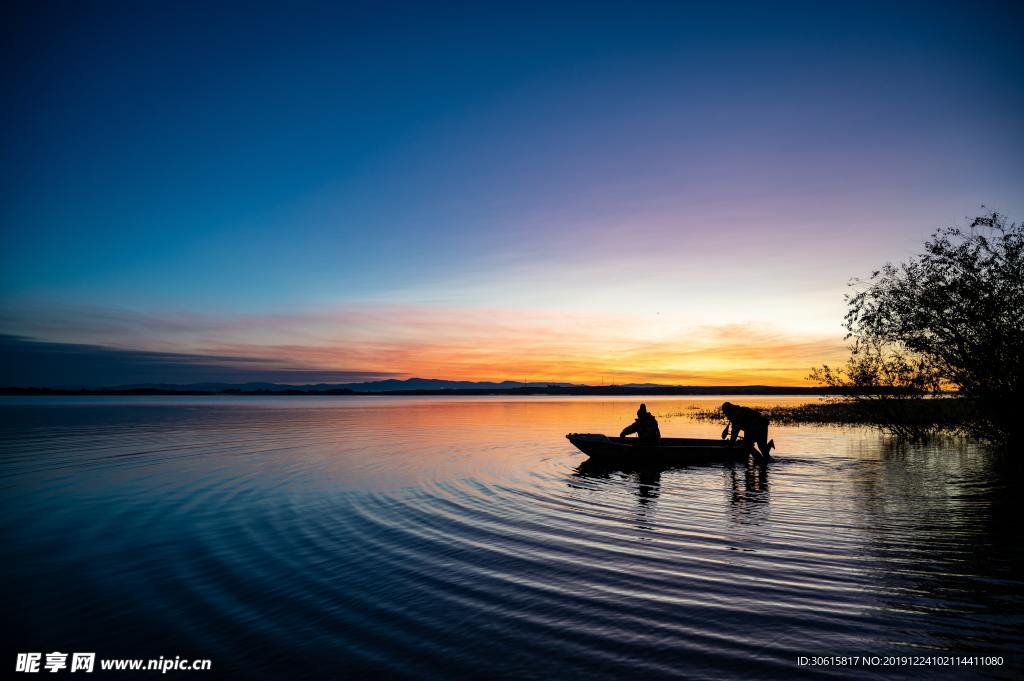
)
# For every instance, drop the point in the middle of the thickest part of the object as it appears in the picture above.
(520, 391)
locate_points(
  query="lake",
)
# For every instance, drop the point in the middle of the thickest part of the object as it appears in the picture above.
(440, 538)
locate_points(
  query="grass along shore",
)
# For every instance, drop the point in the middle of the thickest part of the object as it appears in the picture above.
(908, 417)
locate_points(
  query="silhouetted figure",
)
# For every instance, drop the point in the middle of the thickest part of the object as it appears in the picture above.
(753, 424)
(645, 427)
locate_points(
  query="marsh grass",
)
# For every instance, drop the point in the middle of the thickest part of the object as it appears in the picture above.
(906, 418)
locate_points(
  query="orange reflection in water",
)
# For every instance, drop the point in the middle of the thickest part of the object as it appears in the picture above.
(389, 441)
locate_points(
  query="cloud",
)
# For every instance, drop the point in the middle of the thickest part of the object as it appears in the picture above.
(27, 362)
(366, 341)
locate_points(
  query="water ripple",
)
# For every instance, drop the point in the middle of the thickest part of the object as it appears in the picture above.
(452, 538)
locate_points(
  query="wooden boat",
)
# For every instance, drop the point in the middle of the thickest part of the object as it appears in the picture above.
(670, 450)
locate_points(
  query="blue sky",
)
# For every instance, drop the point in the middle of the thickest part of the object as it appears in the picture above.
(685, 166)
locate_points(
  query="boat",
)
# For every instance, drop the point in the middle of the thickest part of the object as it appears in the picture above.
(669, 450)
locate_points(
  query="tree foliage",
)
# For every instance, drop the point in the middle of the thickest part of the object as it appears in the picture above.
(950, 317)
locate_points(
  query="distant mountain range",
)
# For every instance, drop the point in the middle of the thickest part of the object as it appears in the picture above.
(389, 385)
(415, 386)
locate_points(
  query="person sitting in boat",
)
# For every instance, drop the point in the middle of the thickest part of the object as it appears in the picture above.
(753, 424)
(645, 427)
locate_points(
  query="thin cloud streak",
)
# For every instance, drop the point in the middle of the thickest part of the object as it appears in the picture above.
(28, 363)
(461, 343)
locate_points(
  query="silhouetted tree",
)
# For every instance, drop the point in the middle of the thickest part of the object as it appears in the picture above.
(887, 383)
(950, 317)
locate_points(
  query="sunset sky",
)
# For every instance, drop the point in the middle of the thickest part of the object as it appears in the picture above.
(635, 192)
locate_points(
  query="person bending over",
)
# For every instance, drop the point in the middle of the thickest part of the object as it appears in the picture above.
(754, 426)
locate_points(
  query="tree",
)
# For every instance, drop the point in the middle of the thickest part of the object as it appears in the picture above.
(950, 317)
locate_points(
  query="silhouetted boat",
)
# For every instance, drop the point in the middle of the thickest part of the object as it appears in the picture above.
(671, 450)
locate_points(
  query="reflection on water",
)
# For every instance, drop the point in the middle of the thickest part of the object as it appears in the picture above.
(466, 538)
(646, 481)
(748, 492)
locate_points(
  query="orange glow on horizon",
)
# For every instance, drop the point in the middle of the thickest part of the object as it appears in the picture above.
(470, 343)
(552, 348)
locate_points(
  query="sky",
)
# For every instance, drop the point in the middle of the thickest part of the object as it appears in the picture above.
(600, 193)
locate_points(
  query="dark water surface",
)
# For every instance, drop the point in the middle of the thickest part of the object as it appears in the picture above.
(466, 538)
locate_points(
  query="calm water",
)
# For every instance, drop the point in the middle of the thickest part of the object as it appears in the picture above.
(466, 538)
